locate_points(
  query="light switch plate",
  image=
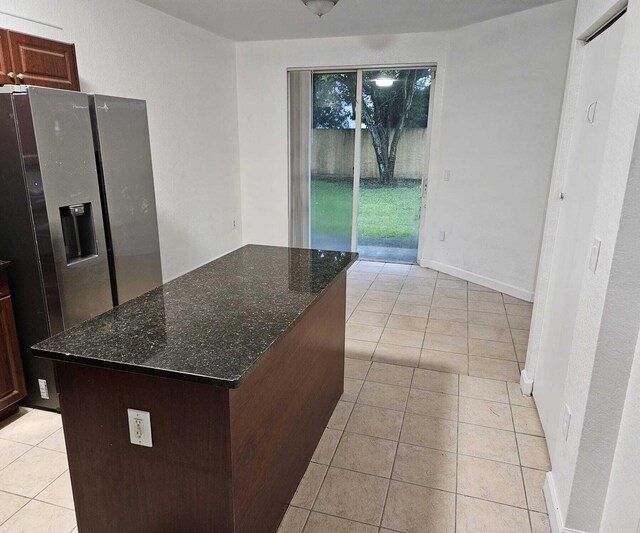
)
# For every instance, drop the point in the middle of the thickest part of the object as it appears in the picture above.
(140, 427)
(441, 235)
(595, 254)
(447, 175)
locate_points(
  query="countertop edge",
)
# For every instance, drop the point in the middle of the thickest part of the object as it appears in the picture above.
(136, 369)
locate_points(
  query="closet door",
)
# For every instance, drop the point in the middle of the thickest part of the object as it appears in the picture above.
(574, 235)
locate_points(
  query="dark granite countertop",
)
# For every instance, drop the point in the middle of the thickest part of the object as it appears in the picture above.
(211, 325)
(4, 264)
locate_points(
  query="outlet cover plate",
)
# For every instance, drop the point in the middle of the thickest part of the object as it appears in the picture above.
(44, 389)
(140, 427)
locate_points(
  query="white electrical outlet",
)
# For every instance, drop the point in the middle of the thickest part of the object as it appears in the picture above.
(566, 422)
(44, 389)
(140, 427)
(595, 254)
(447, 175)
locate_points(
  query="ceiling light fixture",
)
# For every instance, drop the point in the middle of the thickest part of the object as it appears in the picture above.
(320, 7)
(384, 82)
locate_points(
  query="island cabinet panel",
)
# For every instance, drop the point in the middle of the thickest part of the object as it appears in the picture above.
(274, 433)
(182, 483)
(12, 384)
(223, 460)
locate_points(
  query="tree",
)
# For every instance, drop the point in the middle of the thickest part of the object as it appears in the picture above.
(387, 108)
(334, 100)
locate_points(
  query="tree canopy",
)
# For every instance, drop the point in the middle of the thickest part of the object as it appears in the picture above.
(392, 101)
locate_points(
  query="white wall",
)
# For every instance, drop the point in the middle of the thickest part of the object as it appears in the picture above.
(262, 104)
(502, 99)
(606, 331)
(497, 104)
(621, 511)
(187, 76)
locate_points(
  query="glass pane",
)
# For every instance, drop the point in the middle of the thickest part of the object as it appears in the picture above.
(395, 106)
(332, 151)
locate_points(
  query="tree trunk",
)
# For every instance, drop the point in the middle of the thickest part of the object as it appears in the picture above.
(385, 144)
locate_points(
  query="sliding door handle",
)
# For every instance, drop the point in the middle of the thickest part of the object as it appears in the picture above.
(591, 112)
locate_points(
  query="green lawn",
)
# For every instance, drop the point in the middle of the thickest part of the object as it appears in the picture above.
(387, 216)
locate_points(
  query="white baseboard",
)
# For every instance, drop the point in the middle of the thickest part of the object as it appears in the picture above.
(511, 290)
(526, 383)
(553, 507)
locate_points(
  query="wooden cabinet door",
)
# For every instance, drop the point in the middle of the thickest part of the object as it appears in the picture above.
(5, 58)
(44, 62)
(12, 385)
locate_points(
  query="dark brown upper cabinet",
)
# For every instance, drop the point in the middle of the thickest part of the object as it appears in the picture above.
(5, 58)
(29, 60)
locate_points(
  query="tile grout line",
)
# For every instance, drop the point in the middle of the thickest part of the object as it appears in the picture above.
(512, 430)
(393, 465)
(43, 501)
(413, 484)
(524, 487)
(34, 498)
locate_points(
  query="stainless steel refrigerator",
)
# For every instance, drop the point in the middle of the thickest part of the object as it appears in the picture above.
(77, 213)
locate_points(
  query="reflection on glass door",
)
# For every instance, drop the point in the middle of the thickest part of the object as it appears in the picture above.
(395, 107)
(377, 119)
(331, 158)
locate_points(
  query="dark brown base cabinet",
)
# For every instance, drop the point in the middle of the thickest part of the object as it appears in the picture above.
(12, 385)
(30, 60)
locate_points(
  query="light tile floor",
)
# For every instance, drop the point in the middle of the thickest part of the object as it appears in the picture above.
(35, 489)
(413, 316)
(432, 433)
(407, 449)
(417, 450)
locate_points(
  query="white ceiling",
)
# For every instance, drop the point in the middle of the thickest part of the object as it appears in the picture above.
(254, 20)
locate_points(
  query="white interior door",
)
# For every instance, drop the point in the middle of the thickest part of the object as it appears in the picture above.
(574, 234)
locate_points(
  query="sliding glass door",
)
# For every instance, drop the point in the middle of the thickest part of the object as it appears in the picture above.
(367, 160)
(332, 155)
(395, 107)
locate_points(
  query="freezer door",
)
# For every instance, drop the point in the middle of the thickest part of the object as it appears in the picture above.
(121, 138)
(65, 201)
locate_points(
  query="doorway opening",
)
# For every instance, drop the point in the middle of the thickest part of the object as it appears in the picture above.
(367, 148)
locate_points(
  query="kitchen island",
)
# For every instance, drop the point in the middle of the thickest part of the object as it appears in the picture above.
(240, 364)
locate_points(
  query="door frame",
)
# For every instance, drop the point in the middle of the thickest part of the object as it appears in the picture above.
(357, 161)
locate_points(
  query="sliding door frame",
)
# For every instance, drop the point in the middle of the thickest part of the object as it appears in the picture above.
(357, 161)
(427, 163)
